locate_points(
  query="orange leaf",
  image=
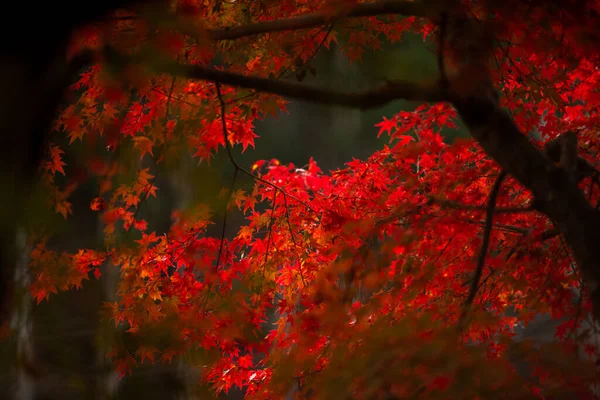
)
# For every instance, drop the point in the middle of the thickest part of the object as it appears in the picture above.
(98, 204)
(144, 144)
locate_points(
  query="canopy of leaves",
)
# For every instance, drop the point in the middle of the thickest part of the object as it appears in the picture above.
(405, 274)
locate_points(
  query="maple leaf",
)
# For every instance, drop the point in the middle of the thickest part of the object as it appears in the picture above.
(140, 225)
(144, 144)
(56, 164)
(76, 134)
(144, 176)
(251, 64)
(151, 190)
(249, 203)
(245, 361)
(387, 125)
(125, 365)
(167, 355)
(238, 197)
(98, 204)
(147, 240)
(147, 353)
(245, 135)
(64, 208)
(404, 140)
(131, 199)
(245, 233)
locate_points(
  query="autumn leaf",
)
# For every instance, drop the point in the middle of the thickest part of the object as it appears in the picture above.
(144, 144)
(98, 204)
(238, 198)
(386, 126)
(56, 164)
(147, 353)
(63, 208)
(245, 233)
(390, 276)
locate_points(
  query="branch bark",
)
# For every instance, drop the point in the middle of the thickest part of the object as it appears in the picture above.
(371, 98)
(487, 232)
(382, 7)
(555, 193)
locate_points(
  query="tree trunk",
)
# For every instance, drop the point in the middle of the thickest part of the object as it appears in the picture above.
(34, 74)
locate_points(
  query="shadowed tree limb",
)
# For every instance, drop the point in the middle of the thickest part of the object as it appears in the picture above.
(382, 7)
(370, 98)
(564, 151)
(555, 192)
(487, 231)
(303, 21)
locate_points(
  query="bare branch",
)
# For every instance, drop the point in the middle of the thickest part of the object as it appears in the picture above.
(239, 168)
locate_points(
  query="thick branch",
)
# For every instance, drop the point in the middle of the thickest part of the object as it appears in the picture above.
(374, 97)
(381, 7)
(371, 98)
(563, 151)
(555, 192)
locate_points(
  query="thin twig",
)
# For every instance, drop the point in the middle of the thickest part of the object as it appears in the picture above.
(153, 180)
(497, 210)
(224, 225)
(487, 230)
(242, 169)
(441, 48)
(287, 217)
(271, 222)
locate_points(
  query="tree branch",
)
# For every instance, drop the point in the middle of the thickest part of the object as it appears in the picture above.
(497, 210)
(554, 191)
(238, 167)
(382, 7)
(563, 151)
(370, 98)
(487, 230)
